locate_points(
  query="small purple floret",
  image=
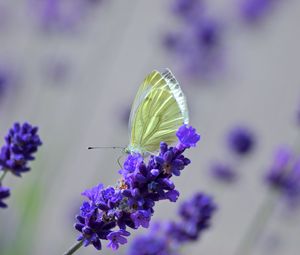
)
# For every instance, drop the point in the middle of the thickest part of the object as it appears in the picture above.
(117, 238)
(187, 136)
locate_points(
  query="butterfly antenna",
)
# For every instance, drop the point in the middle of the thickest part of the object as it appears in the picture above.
(104, 147)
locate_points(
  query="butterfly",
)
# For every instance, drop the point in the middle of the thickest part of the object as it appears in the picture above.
(158, 110)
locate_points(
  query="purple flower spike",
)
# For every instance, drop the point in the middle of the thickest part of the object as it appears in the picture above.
(284, 175)
(280, 167)
(187, 136)
(110, 211)
(241, 140)
(117, 238)
(4, 193)
(166, 238)
(22, 141)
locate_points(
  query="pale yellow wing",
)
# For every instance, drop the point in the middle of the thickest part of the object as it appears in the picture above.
(158, 111)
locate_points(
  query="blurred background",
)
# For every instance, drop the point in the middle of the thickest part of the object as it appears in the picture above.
(72, 68)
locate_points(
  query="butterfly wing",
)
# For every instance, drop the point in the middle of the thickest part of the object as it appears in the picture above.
(159, 109)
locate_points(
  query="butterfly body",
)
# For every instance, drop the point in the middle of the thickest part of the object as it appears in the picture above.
(158, 110)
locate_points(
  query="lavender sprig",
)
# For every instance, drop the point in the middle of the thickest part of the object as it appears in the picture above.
(110, 211)
(21, 142)
(166, 237)
(283, 178)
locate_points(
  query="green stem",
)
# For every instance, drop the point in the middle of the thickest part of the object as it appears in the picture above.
(3, 175)
(257, 225)
(74, 248)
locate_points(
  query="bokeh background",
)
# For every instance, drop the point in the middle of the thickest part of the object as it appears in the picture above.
(75, 75)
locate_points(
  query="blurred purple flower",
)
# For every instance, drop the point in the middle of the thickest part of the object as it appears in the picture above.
(167, 237)
(241, 140)
(198, 47)
(188, 9)
(254, 10)
(223, 172)
(150, 245)
(195, 215)
(4, 193)
(284, 174)
(7, 78)
(61, 15)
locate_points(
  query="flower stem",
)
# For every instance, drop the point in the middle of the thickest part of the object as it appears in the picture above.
(3, 175)
(259, 222)
(74, 248)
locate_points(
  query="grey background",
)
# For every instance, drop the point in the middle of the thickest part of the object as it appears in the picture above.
(118, 44)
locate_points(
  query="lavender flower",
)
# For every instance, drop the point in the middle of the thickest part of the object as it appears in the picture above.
(150, 245)
(223, 172)
(188, 9)
(187, 136)
(254, 10)
(241, 140)
(22, 141)
(198, 46)
(284, 174)
(167, 237)
(195, 217)
(117, 238)
(4, 193)
(110, 211)
(61, 15)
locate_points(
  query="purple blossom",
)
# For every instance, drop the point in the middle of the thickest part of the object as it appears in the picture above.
(241, 140)
(195, 214)
(131, 163)
(117, 238)
(131, 203)
(61, 15)
(254, 10)
(9, 76)
(150, 245)
(4, 193)
(167, 237)
(197, 46)
(223, 172)
(187, 136)
(22, 141)
(141, 218)
(188, 9)
(284, 174)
